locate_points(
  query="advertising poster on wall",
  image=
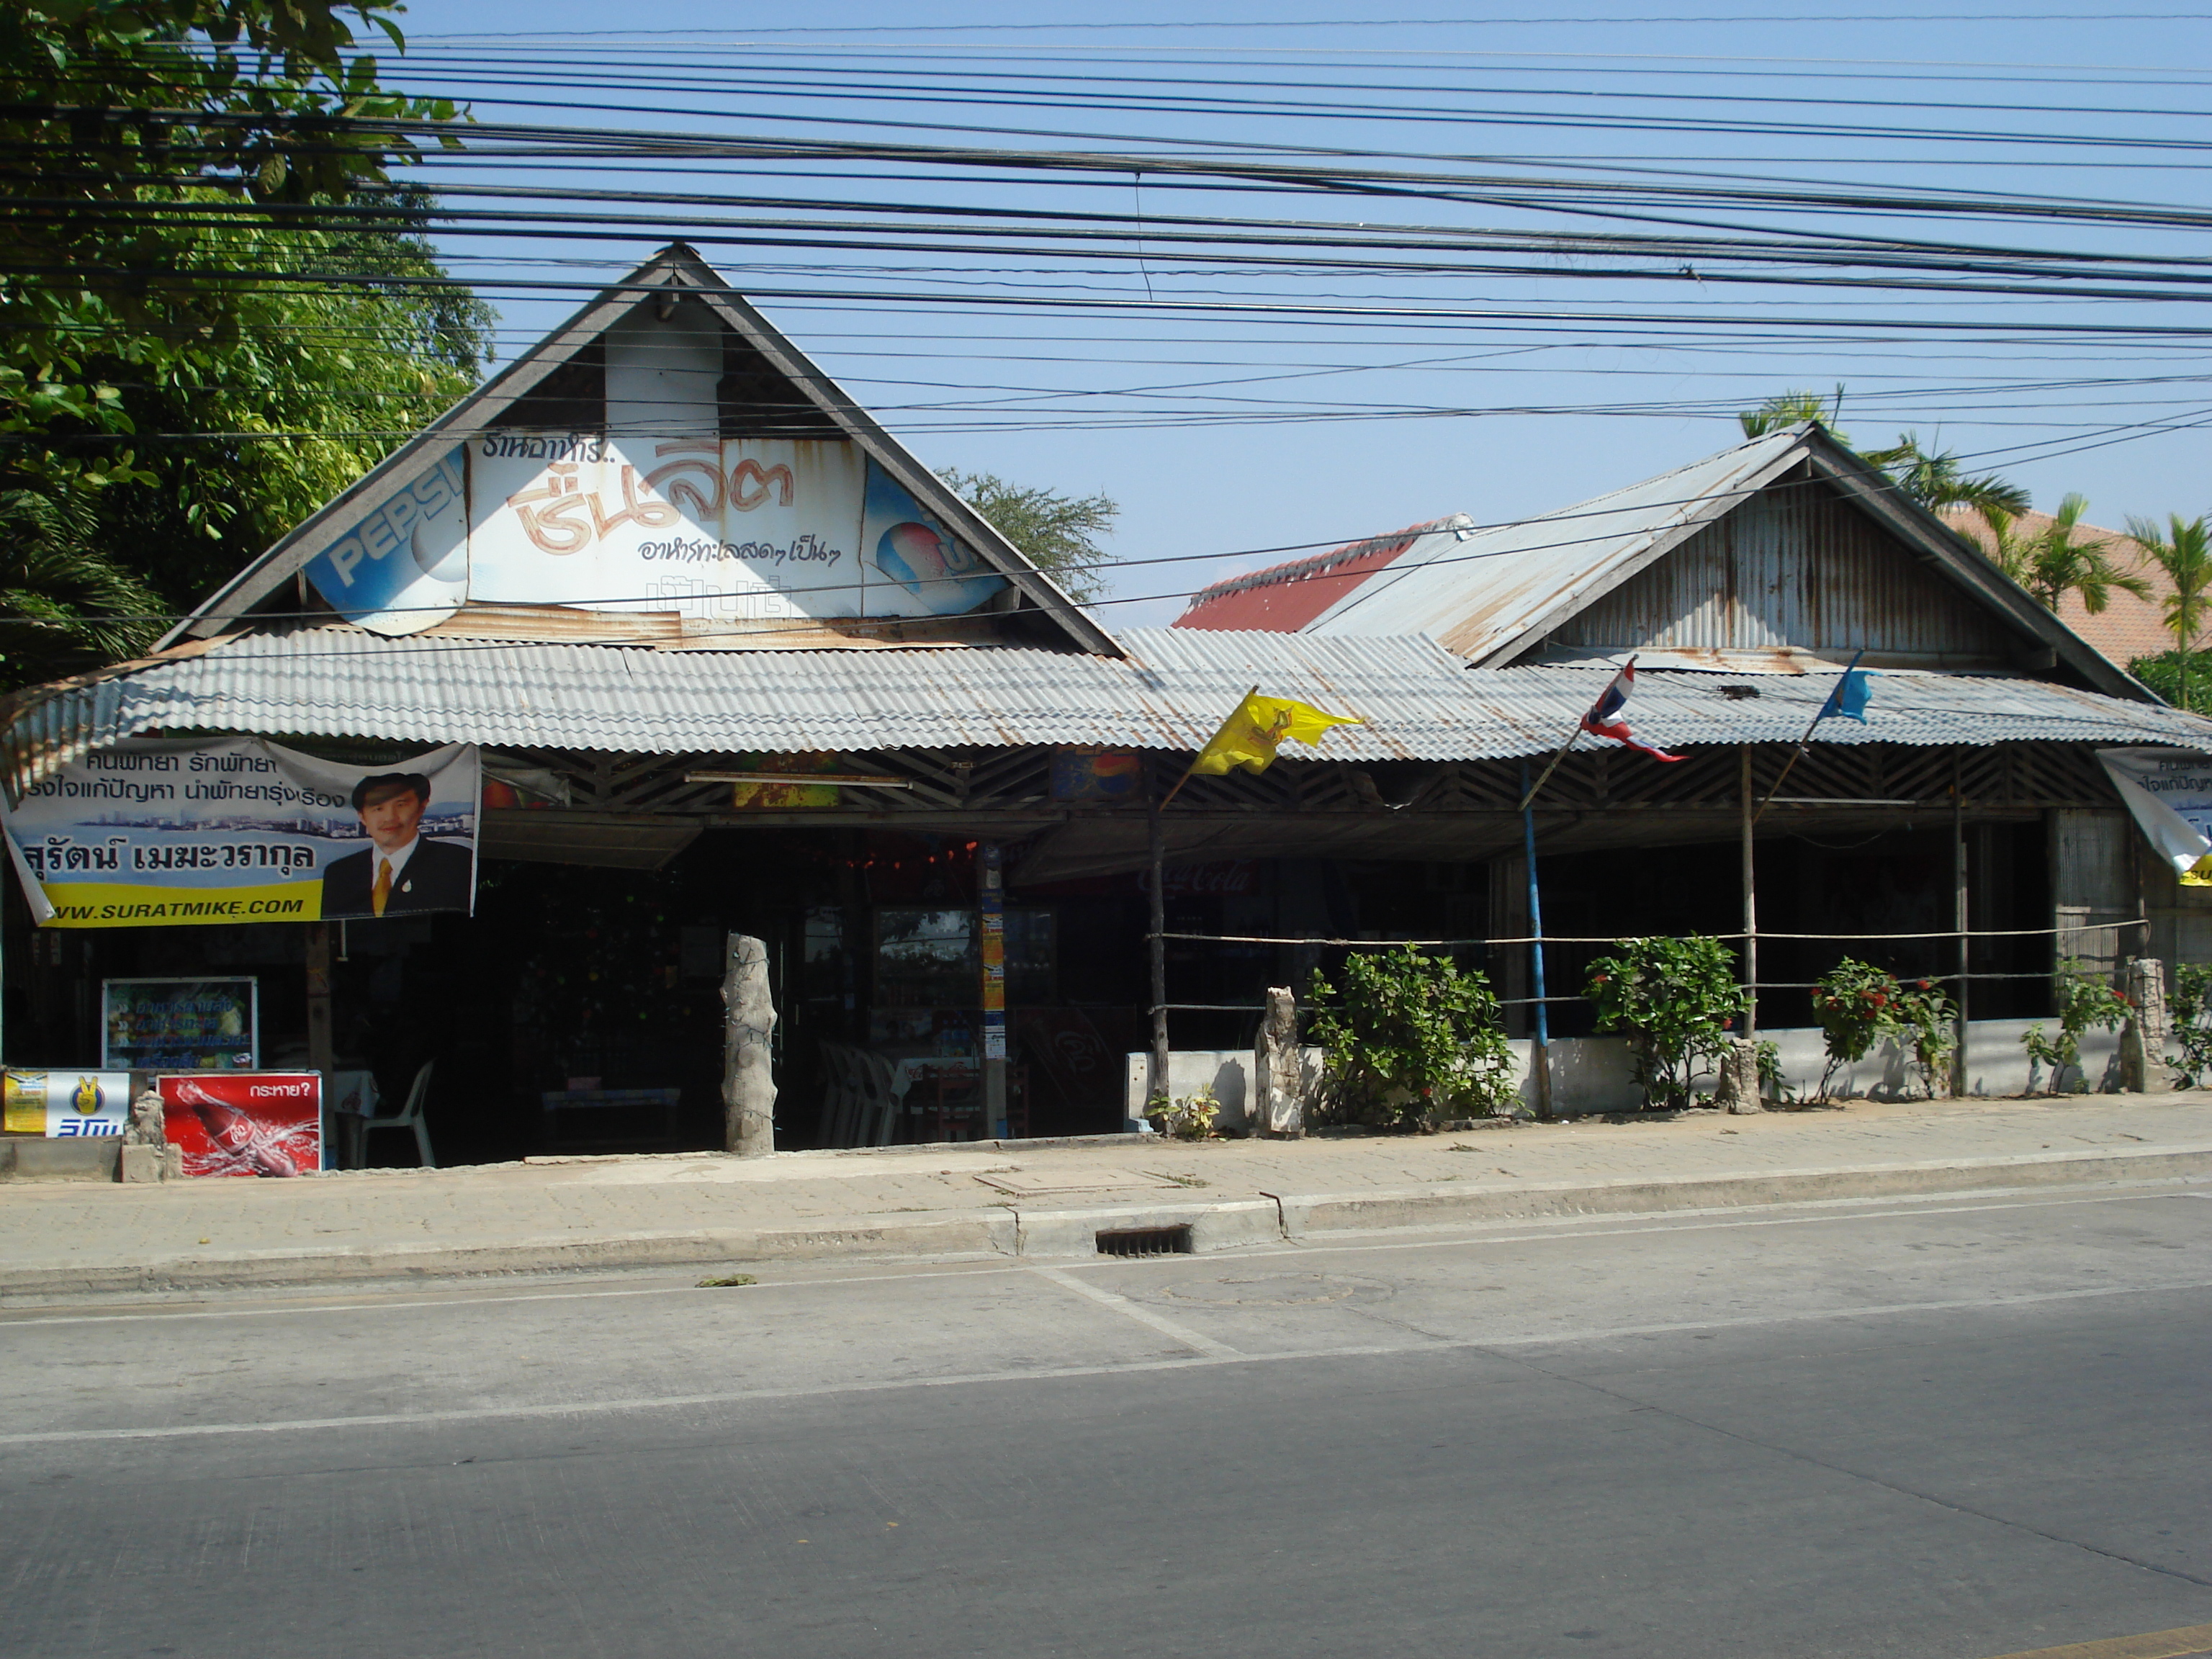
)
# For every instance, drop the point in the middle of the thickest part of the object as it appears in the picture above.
(205, 1025)
(722, 529)
(249, 1123)
(178, 832)
(2169, 794)
(65, 1105)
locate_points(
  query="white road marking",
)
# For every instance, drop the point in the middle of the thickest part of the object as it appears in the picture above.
(818, 1391)
(1143, 1316)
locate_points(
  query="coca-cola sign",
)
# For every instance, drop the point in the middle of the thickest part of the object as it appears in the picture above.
(245, 1123)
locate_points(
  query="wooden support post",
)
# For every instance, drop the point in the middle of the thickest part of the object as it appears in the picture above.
(1156, 1082)
(991, 906)
(748, 1082)
(1750, 817)
(1539, 1047)
(1962, 919)
(321, 1050)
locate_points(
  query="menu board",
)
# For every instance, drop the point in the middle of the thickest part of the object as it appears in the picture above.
(182, 1025)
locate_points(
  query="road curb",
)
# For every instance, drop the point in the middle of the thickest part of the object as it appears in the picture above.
(1440, 1206)
(1005, 1232)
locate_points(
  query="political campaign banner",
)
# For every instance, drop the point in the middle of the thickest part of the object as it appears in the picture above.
(65, 1105)
(175, 832)
(245, 1123)
(2169, 793)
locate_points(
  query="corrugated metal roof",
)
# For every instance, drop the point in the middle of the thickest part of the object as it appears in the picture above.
(1480, 590)
(1909, 706)
(1170, 692)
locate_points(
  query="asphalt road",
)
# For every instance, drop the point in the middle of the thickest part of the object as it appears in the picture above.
(1944, 1429)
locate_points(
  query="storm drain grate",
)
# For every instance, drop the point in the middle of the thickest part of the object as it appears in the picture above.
(1146, 1241)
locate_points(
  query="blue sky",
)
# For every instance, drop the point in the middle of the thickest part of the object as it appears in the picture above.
(1221, 436)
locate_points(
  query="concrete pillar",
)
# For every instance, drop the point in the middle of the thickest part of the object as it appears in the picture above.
(1277, 1105)
(748, 1083)
(1737, 1092)
(2142, 1040)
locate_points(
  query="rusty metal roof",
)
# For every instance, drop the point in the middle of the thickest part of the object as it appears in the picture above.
(1492, 594)
(1478, 590)
(1170, 692)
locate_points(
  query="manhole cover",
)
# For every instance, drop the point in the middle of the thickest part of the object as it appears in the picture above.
(1277, 1291)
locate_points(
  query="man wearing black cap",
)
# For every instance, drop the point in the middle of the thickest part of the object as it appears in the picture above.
(398, 872)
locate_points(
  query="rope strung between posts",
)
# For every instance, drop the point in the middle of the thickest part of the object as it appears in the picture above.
(1615, 939)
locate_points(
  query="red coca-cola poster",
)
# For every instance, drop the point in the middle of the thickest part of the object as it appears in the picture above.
(246, 1123)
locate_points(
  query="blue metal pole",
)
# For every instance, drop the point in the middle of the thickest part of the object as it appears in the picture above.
(1539, 1066)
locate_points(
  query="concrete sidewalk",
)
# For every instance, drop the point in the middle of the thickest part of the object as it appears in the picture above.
(1017, 1198)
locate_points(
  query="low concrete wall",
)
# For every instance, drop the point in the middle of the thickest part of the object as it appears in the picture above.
(1594, 1075)
(34, 1157)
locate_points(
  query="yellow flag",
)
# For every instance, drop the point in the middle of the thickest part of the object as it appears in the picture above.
(1248, 738)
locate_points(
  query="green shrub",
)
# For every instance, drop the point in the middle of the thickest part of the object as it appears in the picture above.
(1677, 998)
(1189, 1118)
(1929, 1020)
(2085, 1003)
(2192, 1023)
(1407, 1037)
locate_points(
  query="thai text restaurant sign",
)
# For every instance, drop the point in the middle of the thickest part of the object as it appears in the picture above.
(718, 528)
(169, 832)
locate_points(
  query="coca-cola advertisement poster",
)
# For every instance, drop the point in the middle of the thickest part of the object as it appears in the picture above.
(245, 1123)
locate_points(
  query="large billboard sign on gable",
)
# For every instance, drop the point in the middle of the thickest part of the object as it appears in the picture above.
(720, 528)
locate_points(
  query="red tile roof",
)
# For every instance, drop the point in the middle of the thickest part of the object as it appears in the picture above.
(2127, 628)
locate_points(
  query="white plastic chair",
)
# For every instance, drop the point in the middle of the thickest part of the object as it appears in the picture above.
(841, 1100)
(409, 1117)
(877, 1074)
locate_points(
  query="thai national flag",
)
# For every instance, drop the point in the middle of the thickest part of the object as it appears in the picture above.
(1604, 718)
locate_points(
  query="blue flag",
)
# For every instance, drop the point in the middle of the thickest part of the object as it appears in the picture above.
(1850, 697)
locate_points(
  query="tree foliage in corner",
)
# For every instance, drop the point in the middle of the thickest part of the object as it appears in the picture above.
(1058, 533)
(217, 309)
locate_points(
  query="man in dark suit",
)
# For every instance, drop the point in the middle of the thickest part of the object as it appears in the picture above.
(398, 872)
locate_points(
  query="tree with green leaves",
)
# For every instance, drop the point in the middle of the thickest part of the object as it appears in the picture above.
(217, 308)
(2057, 560)
(2184, 552)
(1936, 481)
(1058, 532)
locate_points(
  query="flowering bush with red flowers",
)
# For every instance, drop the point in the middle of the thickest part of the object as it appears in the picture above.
(1857, 1005)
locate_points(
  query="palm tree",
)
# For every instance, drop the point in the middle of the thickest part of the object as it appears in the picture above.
(2184, 554)
(1936, 482)
(65, 604)
(2050, 563)
(1788, 408)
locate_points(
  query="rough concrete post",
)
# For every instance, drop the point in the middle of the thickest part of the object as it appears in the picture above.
(145, 1152)
(1737, 1091)
(2142, 1040)
(1278, 1107)
(748, 1084)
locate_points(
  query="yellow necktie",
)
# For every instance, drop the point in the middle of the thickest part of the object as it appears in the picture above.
(378, 899)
